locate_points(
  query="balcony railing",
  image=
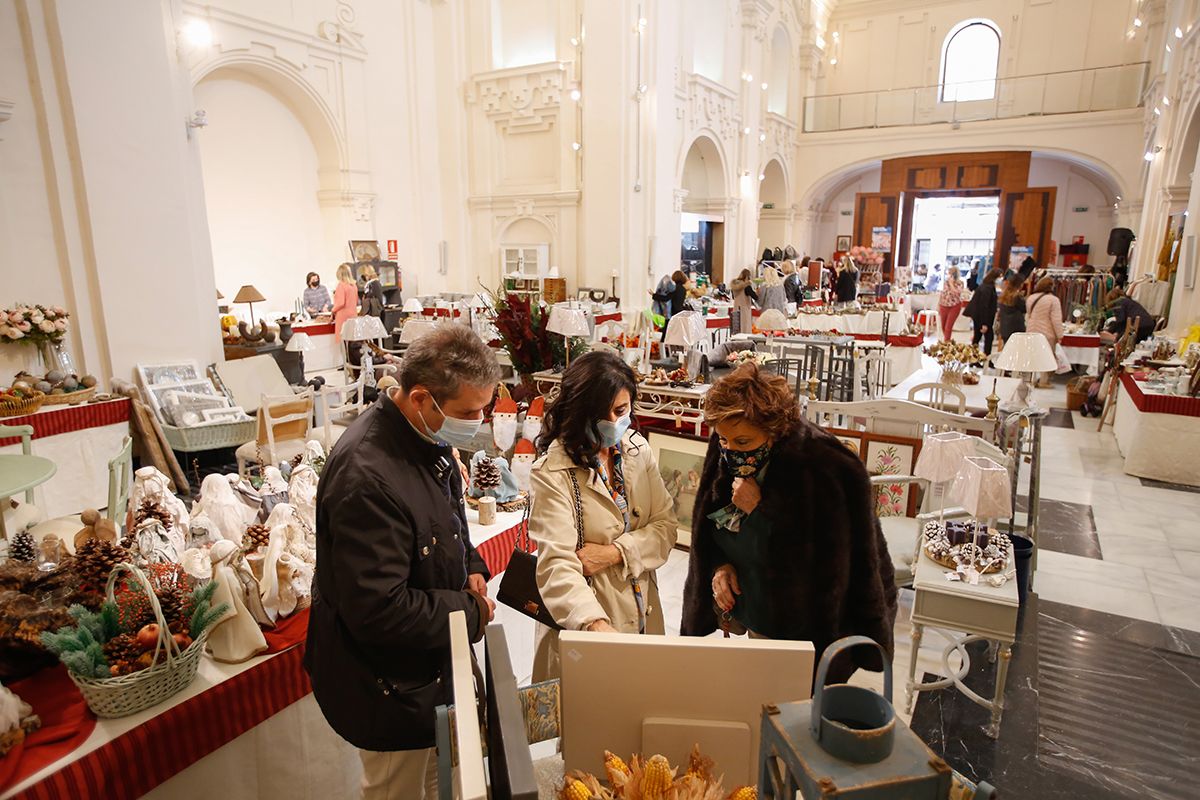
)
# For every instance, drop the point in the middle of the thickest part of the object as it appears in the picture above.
(1071, 92)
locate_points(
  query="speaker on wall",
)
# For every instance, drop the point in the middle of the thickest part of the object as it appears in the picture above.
(1119, 240)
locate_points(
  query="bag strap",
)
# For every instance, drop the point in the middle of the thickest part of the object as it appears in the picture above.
(578, 509)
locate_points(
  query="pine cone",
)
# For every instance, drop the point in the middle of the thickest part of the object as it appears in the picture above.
(121, 648)
(256, 536)
(149, 508)
(94, 561)
(487, 475)
(22, 547)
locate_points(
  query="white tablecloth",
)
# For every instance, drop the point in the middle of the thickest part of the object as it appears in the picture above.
(1158, 446)
(976, 396)
(871, 322)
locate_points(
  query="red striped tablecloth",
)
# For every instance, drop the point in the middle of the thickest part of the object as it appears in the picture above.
(894, 340)
(53, 420)
(615, 316)
(497, 550)
(1160, 403)
(1080, 340)
(315, 329)
(718, 322)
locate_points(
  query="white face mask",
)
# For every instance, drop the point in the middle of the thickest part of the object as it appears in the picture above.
(454, 431)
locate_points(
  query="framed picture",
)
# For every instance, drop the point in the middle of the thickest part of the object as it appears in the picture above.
(843, 244)
(591, 295)
(187, 408)
(164, 397)
(892, 455)
(680, 460)
(364, 250)
(176, 372)
(852, 440)
(881, 239)
(231, 414)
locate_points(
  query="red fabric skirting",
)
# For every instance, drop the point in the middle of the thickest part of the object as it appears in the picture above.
(1160, 404)
(497, 550)
(897, 341)
(66, 724)
(613, 317)
(65, 419)
(315, 329)
(718, 322)
(1080, 341)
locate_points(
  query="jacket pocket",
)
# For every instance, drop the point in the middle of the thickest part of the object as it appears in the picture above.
(407, 711)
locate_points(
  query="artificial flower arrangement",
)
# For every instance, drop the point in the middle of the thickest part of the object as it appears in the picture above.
(521, 324)
(740, 357)
(865, 256)
(653, 779)
(36, 323)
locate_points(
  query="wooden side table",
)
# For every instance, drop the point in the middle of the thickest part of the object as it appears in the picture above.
(988, 613)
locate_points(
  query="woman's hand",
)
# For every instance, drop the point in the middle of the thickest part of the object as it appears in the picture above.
(983, 328)
(598, 557)
(746, 494)
(601, 626)
(725, 586)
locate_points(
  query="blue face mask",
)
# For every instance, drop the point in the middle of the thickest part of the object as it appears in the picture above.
(454, 431)
(613, 431)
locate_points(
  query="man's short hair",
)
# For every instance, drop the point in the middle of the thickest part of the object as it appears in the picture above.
(444, 359)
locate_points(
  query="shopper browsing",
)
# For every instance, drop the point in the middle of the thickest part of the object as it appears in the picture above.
(785, 541)
(626, 515)
(394, 560)
(372, 293)
(345, 299)
(1010, 309)
(1043, 314)
(316, 297)
(950, 302)
(1124, 308)
(982, 311)
(744, 296)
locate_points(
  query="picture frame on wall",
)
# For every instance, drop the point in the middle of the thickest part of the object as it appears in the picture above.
(881, 238)
(851, 440)
(892, 455)
(364, 250)
(843, 244)
(680, 461)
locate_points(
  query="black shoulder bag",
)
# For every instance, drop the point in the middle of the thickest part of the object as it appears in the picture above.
(518, 587)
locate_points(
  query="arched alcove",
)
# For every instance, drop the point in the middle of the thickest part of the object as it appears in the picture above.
(526, 245)
(704, 177)
(781, 65)
(772, 196)
(1189, 150)
(262, 162)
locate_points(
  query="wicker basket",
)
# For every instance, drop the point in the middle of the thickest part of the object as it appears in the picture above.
(1077, 391)
(22, 407)
(210, 437)
(171, 672)
(71, 398)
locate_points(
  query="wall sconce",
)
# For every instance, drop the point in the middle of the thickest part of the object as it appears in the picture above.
(199, 119)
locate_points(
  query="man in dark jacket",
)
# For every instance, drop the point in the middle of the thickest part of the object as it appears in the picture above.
(394, 560)
(1124, 308)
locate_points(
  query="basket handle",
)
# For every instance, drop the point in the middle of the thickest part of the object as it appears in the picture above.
(165, 641)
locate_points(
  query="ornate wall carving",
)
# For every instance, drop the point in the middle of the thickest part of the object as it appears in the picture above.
(710, 105)
(521, 100)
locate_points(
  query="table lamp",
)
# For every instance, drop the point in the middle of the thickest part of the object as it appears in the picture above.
(982, 487)
(248, 294)
(568, 322)
(1025, 353)
(685, 330)
(300, 343)
(364, 328)
(413, 306)
(414, 329)
(941, 459)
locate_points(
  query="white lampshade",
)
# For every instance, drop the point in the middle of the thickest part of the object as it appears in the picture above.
(413, 306)
(982, 487)
(1026, 352)
(300, 343)
(942, 455)
(772, 320)
(567, 321)
(414, 329)
(364, 328)
(685, 329)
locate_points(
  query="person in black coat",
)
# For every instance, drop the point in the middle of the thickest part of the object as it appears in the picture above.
(982, 311)
(847, 283)
(785, 540)
(676, 297)
(394, 560)
(1010, 308)
(1124, 308)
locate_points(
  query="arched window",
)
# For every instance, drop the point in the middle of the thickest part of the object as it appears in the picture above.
(970, 59)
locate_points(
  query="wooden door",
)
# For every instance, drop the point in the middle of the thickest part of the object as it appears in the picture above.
(876, 210)
(1026, 217)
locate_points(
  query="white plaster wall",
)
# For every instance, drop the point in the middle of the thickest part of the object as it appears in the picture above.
(1076, 190)
(260, 180)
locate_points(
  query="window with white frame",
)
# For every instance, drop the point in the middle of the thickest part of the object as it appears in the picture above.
(970, 62)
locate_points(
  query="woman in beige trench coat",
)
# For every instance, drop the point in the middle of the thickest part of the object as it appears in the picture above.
(629, 524)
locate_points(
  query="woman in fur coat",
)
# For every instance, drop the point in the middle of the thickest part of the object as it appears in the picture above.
(785, 541)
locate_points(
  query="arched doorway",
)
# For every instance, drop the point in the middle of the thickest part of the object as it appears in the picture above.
(705, 202)
(268, 157)
(773, 215)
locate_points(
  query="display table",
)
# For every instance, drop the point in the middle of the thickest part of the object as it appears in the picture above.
(988, 613)
(976, 395)
(1158, 434)
(1083, 349)
(247, 730)
(683, 406)
(870, 322)
(80, 440)
(326, 353)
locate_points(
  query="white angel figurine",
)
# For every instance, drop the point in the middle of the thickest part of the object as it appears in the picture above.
(197, 564)
(202, 532)
(150, 484)
(236, 637)
(222, 505)
(302, 494)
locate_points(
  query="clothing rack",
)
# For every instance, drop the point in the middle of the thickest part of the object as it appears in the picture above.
(1072, 288)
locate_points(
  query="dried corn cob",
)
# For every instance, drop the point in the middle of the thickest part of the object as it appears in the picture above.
(575, 790)
(745, 793)
(613, 763)
(657, 778)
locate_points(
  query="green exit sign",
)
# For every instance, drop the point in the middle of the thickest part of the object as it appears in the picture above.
(1080, 209)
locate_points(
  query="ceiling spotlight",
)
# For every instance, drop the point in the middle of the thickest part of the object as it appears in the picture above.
(762, 137)
(574, 41)
(762, 176)
(576, 94)
(746, 131)
(641, 25)
(1137, 22)
(576, 146)
(197, 33)
(1168, 48)
(836, 35)
(764, 86)
(1157, 113)
(1118, 197)
(643, 88)
(1179, 33)
(833, 62)
(1166, 100)
(1149, 156)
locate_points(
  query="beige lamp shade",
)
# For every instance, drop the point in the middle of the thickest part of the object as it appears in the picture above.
(1026, 352)
(982, 488)
(248, 294)
(414, 329)
(685, 329)
(364, 328)
(942, 455)
(300, 343)
(567, 321)
(413, 306)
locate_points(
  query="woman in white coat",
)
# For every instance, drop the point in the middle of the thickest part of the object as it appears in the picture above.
(629, 524)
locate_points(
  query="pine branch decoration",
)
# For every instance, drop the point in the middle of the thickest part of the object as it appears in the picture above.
(203, 614)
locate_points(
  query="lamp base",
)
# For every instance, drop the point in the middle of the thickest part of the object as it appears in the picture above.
(1021, 398)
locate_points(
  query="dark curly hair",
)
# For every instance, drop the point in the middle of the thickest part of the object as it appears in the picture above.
(761, 398)
(589, 386)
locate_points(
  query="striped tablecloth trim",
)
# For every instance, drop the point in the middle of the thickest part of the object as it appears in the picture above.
(65, 419)
(1075, 340)
(497, 550)
(1160, 403)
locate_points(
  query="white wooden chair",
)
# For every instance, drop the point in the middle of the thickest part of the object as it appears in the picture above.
(284, 426)
(942, 396)
(877, 373)
(370, 334)
(120, 482)
(338, 402)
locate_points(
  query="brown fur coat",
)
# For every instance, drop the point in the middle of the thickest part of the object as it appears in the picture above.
(829, 559)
